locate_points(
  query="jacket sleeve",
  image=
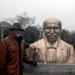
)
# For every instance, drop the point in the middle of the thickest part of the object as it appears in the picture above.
(26, 58)
(71, 55)
(3, 55)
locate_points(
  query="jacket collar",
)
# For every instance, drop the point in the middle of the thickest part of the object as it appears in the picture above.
(13, 39)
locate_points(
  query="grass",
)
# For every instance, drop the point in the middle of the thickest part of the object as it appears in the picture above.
(27, 51)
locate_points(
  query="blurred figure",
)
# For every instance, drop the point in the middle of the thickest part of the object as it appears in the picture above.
(12, 53)
(51, 49)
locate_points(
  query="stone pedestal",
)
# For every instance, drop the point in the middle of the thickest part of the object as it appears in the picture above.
(50, 69)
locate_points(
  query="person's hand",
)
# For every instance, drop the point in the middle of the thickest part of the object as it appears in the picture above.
(33, 62)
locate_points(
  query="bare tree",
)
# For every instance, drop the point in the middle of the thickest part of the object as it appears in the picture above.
(23, 19)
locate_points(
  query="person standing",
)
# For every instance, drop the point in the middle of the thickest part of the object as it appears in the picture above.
(13, 54)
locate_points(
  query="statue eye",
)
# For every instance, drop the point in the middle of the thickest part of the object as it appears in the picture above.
(55, 28)
(52, 28)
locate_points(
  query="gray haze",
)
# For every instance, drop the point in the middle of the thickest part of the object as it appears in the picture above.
(41, 9)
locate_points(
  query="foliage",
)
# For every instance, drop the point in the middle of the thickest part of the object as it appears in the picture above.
(31, 34)
(73, 38)
(6, 33)
(69, 37)
(65, 35)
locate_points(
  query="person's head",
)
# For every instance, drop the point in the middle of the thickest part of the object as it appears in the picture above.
(16, 30)
(52, 28)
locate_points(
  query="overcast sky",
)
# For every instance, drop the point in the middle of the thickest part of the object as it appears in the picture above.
(41, 9)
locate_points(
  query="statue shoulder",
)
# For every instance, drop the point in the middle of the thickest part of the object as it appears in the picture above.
(65, 44)
(37, 43)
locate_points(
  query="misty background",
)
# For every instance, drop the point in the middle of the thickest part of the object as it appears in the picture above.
(41, 10)
(31, 14)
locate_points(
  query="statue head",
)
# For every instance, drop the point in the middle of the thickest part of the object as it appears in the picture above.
(52, 28)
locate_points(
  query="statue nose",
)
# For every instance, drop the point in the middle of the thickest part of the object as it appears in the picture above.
(52, 30)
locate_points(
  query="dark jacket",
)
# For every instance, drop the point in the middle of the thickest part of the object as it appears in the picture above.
(10, 53)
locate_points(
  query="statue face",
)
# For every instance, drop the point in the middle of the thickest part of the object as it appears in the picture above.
(52, 31)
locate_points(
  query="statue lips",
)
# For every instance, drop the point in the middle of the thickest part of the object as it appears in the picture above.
(52, 35)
